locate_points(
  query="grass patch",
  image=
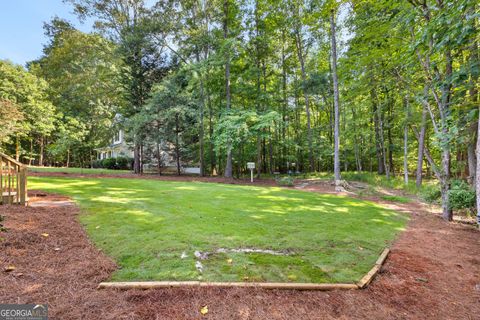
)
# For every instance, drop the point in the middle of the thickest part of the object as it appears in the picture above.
(396, 199)
(76, 170)
(145, 225)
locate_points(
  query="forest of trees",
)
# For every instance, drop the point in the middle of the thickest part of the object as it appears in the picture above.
(388, 86)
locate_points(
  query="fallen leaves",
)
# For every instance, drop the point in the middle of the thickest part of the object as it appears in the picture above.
(9, 268)
(45, 235)
(204, 310)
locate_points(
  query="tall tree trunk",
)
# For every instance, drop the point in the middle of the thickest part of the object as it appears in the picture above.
(382, 140)
(142, 157)
(42, 147)
(445, 184)
(421, 146)
(136, 158)
(201, 133)
(201, 130)
(298, 41)
(211, 151)
(472, 158)
(358, 160)
(405, 154)
(228, 165)
(259, 155)
(68, 158)
(405, 142)
(159, 152)
(284, 103)
(336, 102)
(271, 164)
(31, 152)
(159, 159)
(378, 136)
(177, 144)
(477, 174)
(17, 148)
(445, 114)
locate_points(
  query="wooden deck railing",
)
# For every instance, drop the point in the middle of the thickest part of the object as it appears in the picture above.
(13, 181)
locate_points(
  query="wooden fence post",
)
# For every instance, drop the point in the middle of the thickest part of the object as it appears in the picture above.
(23, 185)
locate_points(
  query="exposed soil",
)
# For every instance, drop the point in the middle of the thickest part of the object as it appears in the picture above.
(432, 272)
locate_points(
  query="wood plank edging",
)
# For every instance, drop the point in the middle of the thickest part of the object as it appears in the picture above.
(264, 285)
(365, 281)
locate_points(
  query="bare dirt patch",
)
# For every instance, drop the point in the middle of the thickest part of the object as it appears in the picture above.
(433, 272)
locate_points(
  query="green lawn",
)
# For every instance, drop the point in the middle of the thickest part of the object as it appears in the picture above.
(76, 170)
(146, 225)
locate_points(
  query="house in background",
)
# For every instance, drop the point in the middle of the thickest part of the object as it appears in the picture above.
(117, 148)
(120, 148)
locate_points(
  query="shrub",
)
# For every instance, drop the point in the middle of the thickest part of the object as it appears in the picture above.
(431, 194)
(461, 196)
(285, 181)
(109, 163)
(124, 163)
(120, 163)
(97, 164)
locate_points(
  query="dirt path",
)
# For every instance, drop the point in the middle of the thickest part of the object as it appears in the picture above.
(433, 272)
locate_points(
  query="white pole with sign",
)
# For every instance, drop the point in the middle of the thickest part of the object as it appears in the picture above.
(251, 166)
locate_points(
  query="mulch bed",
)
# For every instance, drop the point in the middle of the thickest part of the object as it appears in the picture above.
(432, 272)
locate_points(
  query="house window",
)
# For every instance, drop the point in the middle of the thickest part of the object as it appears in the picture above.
(118, 137)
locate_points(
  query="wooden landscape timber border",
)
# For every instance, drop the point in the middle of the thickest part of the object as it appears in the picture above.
(264, 285)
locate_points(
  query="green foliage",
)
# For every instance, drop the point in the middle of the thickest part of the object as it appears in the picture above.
(237, 127)
(109, 163)
(123, 163)
(396, 199)
(84, 75)
(27, 110)
(84, 171)
(10, 120)
(461, 196)
(431, 195)
(119, 163)
(286, 181)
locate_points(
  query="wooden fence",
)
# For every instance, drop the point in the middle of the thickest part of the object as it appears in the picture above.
(13, 181)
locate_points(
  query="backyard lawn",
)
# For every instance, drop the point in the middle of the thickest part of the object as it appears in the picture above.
(153, 228)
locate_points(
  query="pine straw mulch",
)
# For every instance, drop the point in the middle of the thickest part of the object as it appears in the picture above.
(433, 272)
